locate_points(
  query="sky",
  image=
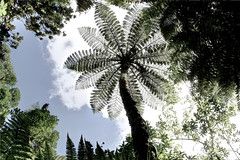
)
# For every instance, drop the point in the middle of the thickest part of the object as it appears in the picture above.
(42, 78)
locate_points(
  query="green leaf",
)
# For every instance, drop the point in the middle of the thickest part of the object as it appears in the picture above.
(3, 8)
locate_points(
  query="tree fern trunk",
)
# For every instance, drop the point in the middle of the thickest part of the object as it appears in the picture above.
(138, 126)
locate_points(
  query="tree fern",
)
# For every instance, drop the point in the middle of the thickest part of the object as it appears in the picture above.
(129, 57)
(102, 65)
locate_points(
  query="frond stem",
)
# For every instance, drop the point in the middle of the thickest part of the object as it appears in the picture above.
(136, 40)
(143, 86)
(145, 74)
(143, 57)
(114, 38)
(114, 73)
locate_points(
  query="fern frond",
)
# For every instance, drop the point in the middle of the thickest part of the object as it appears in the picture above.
(89, 61)
(156, 39)
(134, 91)
(148, 98)
(109, 26)
(150, 78)
(115, 105)
(104, 89)
(87, 80)
(153, 35)
(94, 40)
(132, 14)
(155, 55)
(14, 140)
(21, 152)
(136, 33)
(60, 158)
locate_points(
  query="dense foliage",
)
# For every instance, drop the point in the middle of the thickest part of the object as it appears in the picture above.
(43, 17)
(83, 5)
(204, 35)
(9, 94)
(29, 135)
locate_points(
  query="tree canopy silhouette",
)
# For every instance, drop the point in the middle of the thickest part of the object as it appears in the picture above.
(205, 37)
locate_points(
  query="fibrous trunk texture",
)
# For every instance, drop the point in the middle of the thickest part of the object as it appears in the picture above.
(138, 125)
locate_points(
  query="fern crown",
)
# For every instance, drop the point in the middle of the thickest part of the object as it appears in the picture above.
(130, 50)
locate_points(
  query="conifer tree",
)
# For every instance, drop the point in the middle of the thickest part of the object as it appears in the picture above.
(99, 153)
(110, 155)
(89, 149)
(82, 154)
(70, 149)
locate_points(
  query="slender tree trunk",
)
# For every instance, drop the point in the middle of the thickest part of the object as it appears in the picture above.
(138, 126)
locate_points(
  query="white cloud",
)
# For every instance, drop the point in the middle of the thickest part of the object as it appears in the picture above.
(60, 48)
